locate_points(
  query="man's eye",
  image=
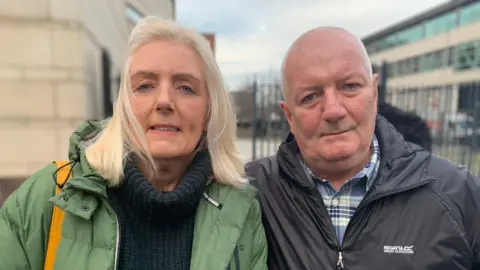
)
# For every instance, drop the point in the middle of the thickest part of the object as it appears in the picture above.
(352, 86)
(308, 98)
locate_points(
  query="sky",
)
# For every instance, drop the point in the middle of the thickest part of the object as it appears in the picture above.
(252, 36)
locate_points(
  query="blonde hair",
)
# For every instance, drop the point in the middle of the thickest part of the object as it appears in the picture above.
(123, 134)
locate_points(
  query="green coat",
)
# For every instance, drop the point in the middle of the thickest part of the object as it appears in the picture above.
(228, 238)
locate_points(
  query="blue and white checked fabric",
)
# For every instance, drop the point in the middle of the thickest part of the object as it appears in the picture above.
(341, 204)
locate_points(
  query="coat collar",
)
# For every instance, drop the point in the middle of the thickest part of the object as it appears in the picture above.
(402, 165)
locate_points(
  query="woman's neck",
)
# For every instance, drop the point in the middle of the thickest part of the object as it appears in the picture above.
(169, 173)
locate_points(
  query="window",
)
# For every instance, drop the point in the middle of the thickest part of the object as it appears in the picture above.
(133, 14)
(434, 60)
(470, 14)
(435, 26)
(467, 55)
(441, 24)
(410, 35)
(415, 64)
(392, 70)
(451, 56)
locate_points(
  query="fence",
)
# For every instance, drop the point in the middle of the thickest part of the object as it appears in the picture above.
(452, 113)
(261, 122)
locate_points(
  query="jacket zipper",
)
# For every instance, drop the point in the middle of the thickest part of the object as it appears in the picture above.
(364, 203)
(329, 226)
(340, 259)
(340, 247)
(107, 204)
(117, 243)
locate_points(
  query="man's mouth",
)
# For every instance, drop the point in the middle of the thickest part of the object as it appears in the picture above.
(335, 133)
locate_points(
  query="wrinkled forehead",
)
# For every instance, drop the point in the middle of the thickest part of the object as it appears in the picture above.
(326, 62)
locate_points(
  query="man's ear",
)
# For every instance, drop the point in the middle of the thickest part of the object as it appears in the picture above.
(287, 112)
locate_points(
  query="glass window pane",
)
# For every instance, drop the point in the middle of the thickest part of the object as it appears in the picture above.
(441, 24)
(416, 64)
(470, 13)
(133, 14)
(451, 55)
(467, 55)
(391, 70)
(410, 35)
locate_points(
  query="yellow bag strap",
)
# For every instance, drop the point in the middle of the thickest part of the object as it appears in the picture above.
(63, 173)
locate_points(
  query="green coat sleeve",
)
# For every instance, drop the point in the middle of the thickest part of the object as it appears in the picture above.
(25, 222)
(260, 249)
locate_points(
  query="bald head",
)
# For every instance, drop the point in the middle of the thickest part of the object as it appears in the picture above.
(323, 44)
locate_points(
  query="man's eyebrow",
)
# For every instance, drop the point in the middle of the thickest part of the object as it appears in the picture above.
(351, 75)
(315, 88)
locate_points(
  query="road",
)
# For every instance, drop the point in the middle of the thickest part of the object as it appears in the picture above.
(263, 148)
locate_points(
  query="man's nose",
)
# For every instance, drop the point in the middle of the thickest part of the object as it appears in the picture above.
(333, 109)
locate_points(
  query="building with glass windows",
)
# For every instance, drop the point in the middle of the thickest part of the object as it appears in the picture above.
(59, 65)
(444, 40)
(433, 60)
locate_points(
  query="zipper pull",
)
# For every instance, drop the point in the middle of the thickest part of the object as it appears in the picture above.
(340, 261)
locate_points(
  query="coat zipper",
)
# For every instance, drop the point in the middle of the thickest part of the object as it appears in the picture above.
(340, 260)
(329, 226)
(364, 203)
(107, 204)
(117, 244)
(340, 247)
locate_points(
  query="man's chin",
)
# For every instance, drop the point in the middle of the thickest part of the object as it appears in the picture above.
(338, 158)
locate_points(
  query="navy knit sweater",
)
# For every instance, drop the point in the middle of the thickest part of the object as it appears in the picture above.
(156, 227)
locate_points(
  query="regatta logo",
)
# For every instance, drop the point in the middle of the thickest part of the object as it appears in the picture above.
(398, 249)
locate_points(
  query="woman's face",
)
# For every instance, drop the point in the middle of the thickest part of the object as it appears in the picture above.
(170, 98)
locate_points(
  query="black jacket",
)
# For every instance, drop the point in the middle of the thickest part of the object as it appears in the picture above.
(413, 128)
(422, 213)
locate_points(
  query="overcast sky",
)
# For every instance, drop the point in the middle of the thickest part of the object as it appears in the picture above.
(253, 35)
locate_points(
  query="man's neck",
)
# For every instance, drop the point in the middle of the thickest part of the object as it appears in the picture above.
(339, 177)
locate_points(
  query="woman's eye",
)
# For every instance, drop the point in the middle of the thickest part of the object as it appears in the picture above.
(187, 89)
(144, 87)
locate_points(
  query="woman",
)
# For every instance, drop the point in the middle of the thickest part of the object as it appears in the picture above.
(159, 186)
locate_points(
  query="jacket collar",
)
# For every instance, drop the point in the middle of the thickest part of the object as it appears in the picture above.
(402, 165)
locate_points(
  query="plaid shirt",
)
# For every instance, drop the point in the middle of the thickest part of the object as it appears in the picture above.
(341, 204)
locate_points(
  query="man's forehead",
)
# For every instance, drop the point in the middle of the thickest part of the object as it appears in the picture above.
(325, 42)
(346, 60)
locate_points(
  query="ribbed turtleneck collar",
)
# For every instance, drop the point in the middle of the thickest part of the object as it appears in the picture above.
(138, 194)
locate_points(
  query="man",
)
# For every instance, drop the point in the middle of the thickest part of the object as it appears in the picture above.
(345, 191)
(413, 128)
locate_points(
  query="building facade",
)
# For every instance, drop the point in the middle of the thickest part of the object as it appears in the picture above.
(433, 61)
(60, 62)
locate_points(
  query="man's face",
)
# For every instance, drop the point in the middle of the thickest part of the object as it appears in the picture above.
(331, 103)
